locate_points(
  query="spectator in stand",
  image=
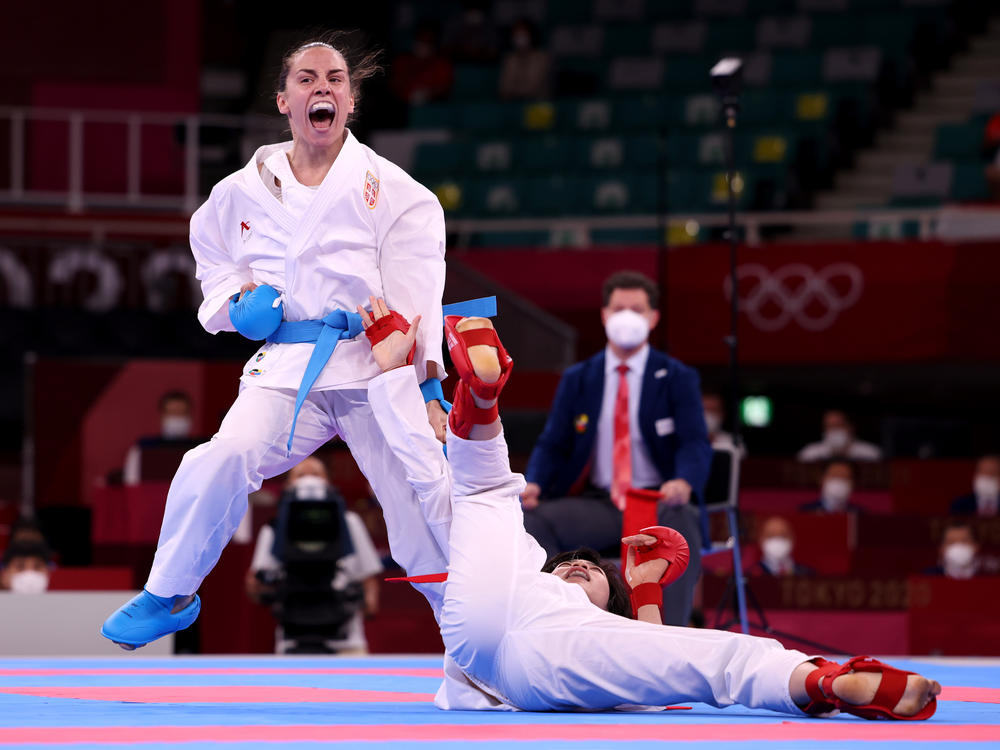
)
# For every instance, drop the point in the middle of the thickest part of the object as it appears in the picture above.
(959, 552)
(630, 416)
(715, 416)
(777, 541)
(472, 37)
(983, 499)
(525, 69)
(423, 74)
(26, 529)
(839, 442)
(26, 567)
(175, 429)
(835, 490)
(361, 565)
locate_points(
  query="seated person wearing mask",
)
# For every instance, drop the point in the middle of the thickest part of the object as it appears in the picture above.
(983, 500)
(361, 564)
(630, 416)
(959, 552)
(175, 430)
(839, 442)
(777, 541)
(26, 567)
(836, 486)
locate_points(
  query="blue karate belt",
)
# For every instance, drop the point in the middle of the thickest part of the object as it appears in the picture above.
(341, 325)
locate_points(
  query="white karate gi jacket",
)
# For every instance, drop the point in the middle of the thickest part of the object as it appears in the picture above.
(371, 230)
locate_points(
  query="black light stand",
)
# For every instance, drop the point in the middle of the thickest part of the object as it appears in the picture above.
(727, 79)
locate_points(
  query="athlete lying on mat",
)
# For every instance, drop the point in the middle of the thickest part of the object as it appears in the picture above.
(517, 637)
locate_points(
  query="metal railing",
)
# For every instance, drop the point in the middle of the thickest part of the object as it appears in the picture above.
(252, 130)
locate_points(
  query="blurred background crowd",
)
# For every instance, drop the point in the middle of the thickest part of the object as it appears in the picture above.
(566, 140)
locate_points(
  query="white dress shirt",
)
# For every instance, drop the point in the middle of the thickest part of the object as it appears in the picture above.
(644, 472)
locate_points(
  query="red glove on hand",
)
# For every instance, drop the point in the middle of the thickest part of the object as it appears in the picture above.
(669, 546)
(386, 325)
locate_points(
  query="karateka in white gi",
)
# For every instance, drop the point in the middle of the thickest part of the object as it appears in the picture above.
(519, 638)
(306, 231)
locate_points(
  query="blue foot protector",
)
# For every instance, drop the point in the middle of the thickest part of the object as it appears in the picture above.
(146, 617)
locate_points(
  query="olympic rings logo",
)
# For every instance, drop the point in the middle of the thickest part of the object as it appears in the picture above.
(796, 292)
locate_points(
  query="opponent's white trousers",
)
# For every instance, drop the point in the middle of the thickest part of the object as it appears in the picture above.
(538, 642)
(208, 494)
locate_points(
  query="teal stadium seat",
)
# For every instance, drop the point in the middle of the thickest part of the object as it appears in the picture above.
(488, 116)
(688, 73)
(640, 113)
(555, 195)
(959, 141)
(492, 156)
(433, 116)
(969, 183)
(567, 11)
(441, 159)
(589, 115)
(796, 68)
(726, 37)
(548, 154)
(602, 153)
(626, 39)
(475, 81)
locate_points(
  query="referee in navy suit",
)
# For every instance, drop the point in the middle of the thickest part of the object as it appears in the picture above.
(628, 416)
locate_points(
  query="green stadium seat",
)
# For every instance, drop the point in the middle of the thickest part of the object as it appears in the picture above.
(584, 114)
(497, 197)
(689, 73)
(701, 111)
(601, 153)
(644, 112)
(623, 193)
(448, 158)
(543, 154)
(556, 195)
(567, 11)
(959, 141)
(538, 116)
(627, 40)
(969, 183)
(730, 36)
(642, 152)
(434, 116)
(493, 156)
(796, 68)
(475, 81)
(487, 116)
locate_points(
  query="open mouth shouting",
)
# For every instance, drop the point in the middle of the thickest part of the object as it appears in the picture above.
(321, 115)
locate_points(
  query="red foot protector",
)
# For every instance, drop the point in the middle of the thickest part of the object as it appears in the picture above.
(386, 325)
(458, 348)
(670, 546)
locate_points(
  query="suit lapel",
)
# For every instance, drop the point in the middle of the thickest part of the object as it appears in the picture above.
(654, 383)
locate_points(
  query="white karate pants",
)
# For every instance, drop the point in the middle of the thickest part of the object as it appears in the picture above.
(538, 642)
(208, 495)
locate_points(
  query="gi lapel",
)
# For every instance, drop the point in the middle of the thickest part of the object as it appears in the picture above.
(337, 180)
(251, 177)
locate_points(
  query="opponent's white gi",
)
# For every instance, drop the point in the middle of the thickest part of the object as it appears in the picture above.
(529, 639)
(368, 229)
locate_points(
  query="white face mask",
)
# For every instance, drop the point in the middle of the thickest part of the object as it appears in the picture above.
(835, 493)
(986, 487)
(838, 438)
(958, 559)
(175, 426)
(29, 582)
(713, 422)
(310, 487)
(776, 548)
(627, 329)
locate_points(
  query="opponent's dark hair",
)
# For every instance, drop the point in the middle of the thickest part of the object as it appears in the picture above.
(362, 63)
(26, 548)
(619, 601)
(630, 280)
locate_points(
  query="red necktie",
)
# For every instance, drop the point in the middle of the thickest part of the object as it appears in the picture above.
(621, 454)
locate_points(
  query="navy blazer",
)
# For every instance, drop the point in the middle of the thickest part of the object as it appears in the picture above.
(964, 505)
(671, 421)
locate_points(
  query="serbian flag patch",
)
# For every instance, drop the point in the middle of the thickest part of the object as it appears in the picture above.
(371, 190)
